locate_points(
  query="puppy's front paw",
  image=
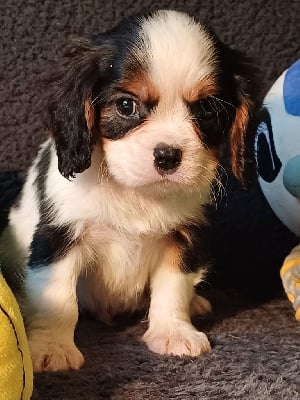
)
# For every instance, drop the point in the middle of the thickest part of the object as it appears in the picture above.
(50, 355)
(177, 339)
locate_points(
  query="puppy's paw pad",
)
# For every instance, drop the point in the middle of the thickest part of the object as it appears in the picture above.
(52, 356)
(199, 306)
(177, 341)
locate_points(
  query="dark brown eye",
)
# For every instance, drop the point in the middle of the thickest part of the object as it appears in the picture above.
(127, 108)
(206, 109)
(213, 116)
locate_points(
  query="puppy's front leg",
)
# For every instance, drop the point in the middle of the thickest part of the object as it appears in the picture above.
(170, 329)
(51, 314)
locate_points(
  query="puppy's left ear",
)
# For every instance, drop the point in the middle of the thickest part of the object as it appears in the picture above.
(248, 94)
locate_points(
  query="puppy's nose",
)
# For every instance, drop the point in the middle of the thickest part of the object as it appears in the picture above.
(166, 158)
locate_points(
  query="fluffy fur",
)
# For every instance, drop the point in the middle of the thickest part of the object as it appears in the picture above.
(137, 117)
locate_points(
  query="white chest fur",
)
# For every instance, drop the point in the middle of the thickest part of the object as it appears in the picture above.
(119, 274)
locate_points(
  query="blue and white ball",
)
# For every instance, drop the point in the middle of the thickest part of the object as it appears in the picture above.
(277, 148)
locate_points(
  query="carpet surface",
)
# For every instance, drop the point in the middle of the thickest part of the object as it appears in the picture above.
(255, 339)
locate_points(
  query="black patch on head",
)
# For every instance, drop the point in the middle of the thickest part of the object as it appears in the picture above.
(123, 39)
(268, 162)
(123, 64)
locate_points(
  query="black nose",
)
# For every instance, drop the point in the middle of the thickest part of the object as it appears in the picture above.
(166, 158)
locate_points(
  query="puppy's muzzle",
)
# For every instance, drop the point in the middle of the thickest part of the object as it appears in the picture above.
(166, 158)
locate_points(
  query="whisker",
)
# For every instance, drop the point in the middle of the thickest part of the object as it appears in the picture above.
(220, 101)
(216, 183)
(95, 100)
(212, 193)
(213, 106)
(99, 98)
(222, 187)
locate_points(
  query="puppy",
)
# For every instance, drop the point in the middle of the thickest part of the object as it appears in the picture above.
(137, 117)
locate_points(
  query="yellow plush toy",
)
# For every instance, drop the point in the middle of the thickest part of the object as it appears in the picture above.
(16, 377)
(290, 274)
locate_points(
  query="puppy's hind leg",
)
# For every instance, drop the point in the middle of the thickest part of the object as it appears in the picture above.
(199, 306)
(51, 314)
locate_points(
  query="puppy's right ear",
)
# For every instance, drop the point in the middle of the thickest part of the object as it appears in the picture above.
(77, 80)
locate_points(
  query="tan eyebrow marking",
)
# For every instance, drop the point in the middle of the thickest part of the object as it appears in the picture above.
(142, 87)
(203, 88)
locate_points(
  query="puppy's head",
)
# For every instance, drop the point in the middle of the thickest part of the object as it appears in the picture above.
(160, 95)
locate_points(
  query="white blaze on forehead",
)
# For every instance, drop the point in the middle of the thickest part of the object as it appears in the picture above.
(181, 52)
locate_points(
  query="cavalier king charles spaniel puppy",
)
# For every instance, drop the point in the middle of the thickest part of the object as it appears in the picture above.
(137, 118)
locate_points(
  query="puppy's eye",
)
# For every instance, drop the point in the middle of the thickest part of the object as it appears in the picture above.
(127, 108)
(213, 117)
(206, 109)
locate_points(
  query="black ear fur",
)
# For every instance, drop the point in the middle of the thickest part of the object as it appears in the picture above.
(241, 77)
(72, 86)
(247, 77)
